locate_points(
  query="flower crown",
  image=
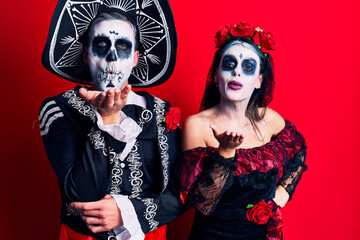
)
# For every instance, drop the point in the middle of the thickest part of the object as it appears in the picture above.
(264, 40)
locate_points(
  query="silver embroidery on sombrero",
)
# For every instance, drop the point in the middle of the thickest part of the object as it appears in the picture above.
(147, 3)
(124, 5)
(151, 33)
(79, 104)
(81, 13)
(159, 108)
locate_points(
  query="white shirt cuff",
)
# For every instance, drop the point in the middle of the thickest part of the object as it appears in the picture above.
(131, 228)
(126, 131)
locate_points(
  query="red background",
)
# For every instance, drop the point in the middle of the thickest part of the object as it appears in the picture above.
(317, 82)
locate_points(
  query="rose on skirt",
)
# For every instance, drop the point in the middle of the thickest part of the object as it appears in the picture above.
(260, 213)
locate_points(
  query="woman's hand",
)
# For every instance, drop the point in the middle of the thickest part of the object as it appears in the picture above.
(228, 141)
(108, 104)
(281, 196)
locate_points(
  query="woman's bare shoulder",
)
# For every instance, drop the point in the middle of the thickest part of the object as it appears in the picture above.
(195, 129)
(274, 120)
(198, 119)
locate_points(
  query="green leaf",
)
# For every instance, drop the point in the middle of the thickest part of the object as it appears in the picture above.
(164, 119)
(227, 37)
(249, 205)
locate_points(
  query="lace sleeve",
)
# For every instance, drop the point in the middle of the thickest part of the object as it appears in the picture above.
(216, 177)
(293, 171)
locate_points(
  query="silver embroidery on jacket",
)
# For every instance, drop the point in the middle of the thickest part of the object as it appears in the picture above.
(79, 104)
(150, 213)
(146, 116)
(164, 146)
(49, 109)
(136, 174)
(71, 211)
(98, 141)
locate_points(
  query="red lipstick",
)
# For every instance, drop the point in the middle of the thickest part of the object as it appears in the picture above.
(234, 85)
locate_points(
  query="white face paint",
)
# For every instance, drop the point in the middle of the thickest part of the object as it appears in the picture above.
(111, 53)
(238, 73)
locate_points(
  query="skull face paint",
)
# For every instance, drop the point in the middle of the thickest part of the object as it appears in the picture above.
(238, 73)
(111, 53)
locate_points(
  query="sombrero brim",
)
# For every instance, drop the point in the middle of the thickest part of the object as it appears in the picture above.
(63, 52)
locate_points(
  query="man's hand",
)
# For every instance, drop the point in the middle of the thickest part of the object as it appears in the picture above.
(100, 216)
(228, 141)
(108, 104)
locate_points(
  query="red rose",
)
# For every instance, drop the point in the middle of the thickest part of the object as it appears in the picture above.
(267, 42)
(256, 38)
(242, 29)
(220, 36)
(260, 213)
(172, 118)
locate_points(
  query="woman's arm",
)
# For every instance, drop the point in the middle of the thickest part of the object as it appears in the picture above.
(293, 168)
(215, 171)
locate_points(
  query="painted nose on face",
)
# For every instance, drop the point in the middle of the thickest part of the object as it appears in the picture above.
(111, 57)
(236, 73)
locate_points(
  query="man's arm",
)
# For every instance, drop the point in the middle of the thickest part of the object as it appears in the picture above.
(77, 154)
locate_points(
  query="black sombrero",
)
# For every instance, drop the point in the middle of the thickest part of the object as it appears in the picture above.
(157, 39)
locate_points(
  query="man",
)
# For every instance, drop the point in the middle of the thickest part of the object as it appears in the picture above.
(109, 147)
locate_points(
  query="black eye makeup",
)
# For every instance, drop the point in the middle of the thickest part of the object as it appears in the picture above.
(248, 66)
(229, 63)
(123, 48)
(101, 46)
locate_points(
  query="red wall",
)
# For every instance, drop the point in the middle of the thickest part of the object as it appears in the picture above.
(317, 81)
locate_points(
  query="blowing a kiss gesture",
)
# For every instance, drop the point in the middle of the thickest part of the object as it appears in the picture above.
(228, 141)
(109, 103)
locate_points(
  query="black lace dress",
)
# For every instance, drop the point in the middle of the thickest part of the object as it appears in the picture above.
(233, 197)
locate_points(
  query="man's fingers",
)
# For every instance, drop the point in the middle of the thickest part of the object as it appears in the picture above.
(92, 213)
(117, 100)
(107, 196)
(99, 99)
(109, 100)
(125, 91)
(89, 96)
(84, 94)
(84, 206)
(92, 220)
(97, 228)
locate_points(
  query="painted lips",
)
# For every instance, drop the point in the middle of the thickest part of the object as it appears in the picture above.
(235, 85)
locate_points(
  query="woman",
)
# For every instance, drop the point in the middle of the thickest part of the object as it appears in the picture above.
(242, 160)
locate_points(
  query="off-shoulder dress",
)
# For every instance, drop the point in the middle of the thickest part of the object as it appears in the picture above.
(233, 197)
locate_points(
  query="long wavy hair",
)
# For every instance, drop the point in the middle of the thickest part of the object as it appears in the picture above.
(260, 97)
